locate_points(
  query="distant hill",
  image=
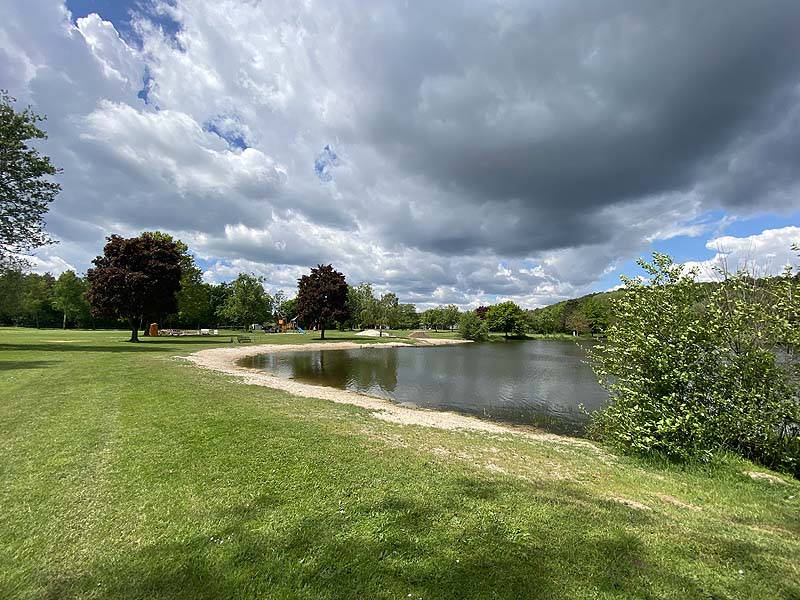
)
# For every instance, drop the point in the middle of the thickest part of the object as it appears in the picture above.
(587, 314)
(591, 313)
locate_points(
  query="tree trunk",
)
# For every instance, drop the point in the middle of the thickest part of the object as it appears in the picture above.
(322, 334)
(134, 330)
(64, 325)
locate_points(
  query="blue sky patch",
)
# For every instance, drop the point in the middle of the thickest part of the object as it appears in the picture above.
(234, 140)
(324, 163)
(120, 12)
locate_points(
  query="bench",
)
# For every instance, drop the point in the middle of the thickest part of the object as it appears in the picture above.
(243, 338)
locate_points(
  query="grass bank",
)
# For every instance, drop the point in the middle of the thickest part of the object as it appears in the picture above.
(128, 473)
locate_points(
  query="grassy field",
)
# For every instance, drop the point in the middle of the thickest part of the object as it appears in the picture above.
(127, 473)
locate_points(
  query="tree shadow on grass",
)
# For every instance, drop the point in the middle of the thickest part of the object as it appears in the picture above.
(400, 546)
(124, 347)
(12, 365)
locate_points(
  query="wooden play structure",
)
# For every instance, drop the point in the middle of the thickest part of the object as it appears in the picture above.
(289, 326)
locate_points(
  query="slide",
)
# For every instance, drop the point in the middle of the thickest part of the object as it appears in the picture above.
(300, 329)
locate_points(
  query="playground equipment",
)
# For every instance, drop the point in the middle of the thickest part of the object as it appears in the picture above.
(288, 326)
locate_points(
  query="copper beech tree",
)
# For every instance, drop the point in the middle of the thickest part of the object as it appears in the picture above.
(322, 298)
(135, 277)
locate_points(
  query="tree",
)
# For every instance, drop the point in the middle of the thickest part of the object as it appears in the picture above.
(577, 322)
(506, 317)
(12, 281)
(389, 311)
(278, 298)
(597, 313)
(217, 295)
(481, 312)
(549, 319)
(358, 299)
(36, 296)
(193, 297)
(248, 302)
(450, 316)
(370, 312)
(433, 318)
(194, 300)
(135, 277)
(472, 327)
(289, 309)
(322, 297)
(408, 317)
(69, 295)
(692, 369)
(25, 188)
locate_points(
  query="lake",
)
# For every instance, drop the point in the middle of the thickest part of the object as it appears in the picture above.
(540, 382)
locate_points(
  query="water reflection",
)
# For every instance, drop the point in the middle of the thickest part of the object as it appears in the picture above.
(533, 382)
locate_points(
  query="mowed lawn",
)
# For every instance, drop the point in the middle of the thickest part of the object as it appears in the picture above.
(127, 473)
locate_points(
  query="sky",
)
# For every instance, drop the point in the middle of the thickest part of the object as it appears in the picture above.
(451, 152)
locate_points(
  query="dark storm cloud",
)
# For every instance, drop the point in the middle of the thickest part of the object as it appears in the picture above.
(560, 111)
(474, 149)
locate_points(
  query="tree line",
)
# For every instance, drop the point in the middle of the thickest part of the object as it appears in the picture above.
(591, 314)
(153, 278)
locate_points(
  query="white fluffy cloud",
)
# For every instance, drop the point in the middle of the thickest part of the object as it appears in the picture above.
(170, 149)
(483, 152)
(765, 253)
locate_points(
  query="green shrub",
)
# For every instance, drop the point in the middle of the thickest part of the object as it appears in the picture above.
(690, 372)
(472, 327)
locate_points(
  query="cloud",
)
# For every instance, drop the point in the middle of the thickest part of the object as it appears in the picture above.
(169, 147)
(765, 253)
(554, 139)
(117, 59)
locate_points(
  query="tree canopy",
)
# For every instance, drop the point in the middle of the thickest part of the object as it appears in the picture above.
(26, 188)
(69, 295)
(691, 369)
(322, 298)
(135, 277)
(506, 317)
(248, 302)
(472, 327)
(359, 299)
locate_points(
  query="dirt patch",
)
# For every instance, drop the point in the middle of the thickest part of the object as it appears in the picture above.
(630, 503)
(494, 468)
(374, 333)
(759, 476)
(675, 502)
(224, 360)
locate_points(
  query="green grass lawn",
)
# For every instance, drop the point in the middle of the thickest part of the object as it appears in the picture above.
(128, 473)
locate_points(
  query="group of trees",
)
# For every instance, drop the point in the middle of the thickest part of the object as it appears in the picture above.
(149, 278)
(587, 315)
(367, 310)
(29, 299)
(154, 278)
(440, 317)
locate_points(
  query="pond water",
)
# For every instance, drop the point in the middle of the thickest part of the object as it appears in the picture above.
(541, 382)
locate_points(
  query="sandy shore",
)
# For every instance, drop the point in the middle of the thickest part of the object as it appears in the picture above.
(224, 360)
